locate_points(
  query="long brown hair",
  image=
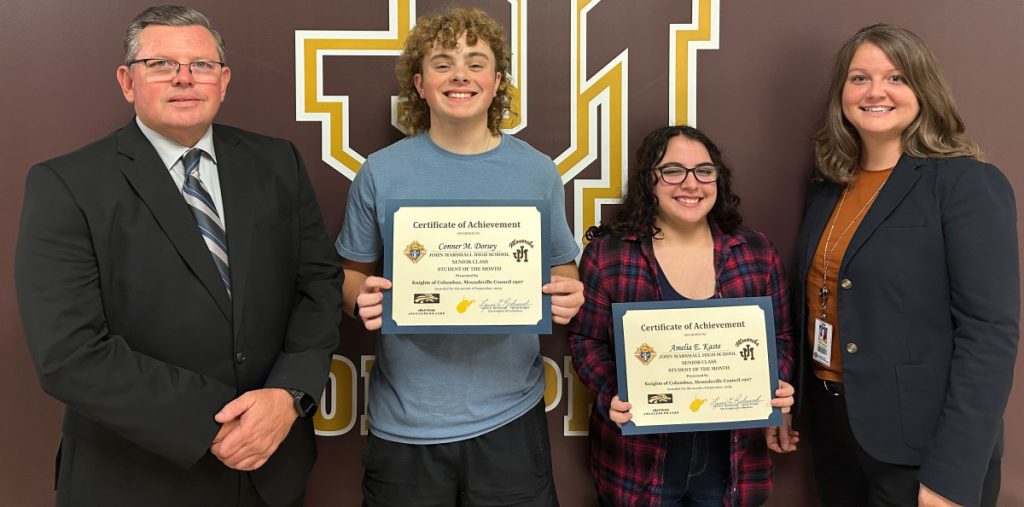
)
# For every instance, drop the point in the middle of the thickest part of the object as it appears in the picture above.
(445, 29)
(938, 130)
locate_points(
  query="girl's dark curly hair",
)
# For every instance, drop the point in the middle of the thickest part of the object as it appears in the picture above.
(640, 206)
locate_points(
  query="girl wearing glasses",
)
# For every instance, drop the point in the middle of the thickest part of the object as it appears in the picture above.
(909, 287)
(677, 236)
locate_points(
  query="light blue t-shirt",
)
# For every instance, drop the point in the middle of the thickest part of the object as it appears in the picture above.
(429, 389)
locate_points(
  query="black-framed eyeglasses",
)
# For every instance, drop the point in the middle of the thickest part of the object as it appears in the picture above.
(162, 69)
(674, 174)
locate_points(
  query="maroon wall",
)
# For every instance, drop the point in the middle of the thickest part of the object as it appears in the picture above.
(759, 97)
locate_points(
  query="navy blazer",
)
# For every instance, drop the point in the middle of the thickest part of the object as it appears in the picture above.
(130, 326)
(930, 317)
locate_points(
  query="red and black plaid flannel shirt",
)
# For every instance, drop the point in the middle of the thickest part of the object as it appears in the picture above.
(628, 470)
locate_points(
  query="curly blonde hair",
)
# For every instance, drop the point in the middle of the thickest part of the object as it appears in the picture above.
(445, 29)
(938, 130)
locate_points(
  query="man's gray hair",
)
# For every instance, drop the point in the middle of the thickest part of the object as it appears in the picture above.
(169, 15)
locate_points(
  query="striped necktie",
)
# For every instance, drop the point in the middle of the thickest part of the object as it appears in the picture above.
(205, 213)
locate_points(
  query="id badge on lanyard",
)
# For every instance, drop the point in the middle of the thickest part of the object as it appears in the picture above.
(822, 350)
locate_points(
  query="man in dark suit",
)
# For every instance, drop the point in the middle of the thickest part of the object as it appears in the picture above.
(178, 292)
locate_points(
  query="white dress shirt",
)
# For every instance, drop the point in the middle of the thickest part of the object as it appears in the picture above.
(170, 153)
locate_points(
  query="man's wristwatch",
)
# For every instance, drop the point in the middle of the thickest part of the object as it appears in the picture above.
(304, 404)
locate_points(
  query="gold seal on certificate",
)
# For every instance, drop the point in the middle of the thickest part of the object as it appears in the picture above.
(696, 365)
(466, 267)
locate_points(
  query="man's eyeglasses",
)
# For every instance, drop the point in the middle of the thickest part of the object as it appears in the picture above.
(158, 69)
(674, 174)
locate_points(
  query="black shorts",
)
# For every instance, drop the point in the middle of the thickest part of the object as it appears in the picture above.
(508, 466)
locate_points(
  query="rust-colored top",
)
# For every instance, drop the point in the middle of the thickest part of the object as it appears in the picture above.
(843, 224)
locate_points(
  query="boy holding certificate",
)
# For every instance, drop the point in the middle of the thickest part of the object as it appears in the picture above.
(454, 419)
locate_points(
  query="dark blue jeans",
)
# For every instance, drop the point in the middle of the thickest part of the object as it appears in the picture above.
(696, 469)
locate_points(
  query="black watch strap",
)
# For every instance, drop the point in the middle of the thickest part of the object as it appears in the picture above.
(304, 404)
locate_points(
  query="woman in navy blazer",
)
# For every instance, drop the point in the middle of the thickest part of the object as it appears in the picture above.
(909, 289)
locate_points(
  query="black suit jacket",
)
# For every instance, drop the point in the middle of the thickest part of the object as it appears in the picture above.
(130, 326)
(933, 306)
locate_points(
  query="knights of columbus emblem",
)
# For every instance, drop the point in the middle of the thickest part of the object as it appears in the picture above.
(415, 251)
(645, 353)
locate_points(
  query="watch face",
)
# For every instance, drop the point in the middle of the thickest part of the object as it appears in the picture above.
(304, 405)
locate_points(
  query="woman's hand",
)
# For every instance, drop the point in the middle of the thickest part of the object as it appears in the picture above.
(926, 497)
(782, 439)
(784, 396)
(619, 411)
